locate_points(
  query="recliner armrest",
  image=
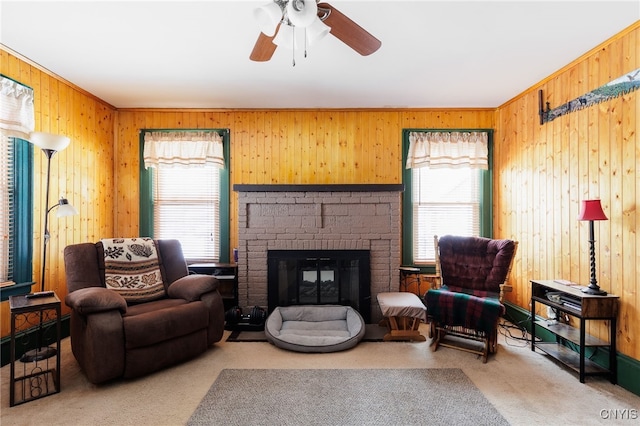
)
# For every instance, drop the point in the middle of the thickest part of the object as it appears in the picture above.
(192, 287)
(90, 300)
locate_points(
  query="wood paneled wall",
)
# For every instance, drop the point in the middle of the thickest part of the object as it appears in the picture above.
(286, 147)
(83, 172)
(544, 171)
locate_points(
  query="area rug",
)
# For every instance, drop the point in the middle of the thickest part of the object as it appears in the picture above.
(345, 397)
(373, 333)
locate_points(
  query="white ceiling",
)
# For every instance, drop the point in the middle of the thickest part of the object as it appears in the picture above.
(180, 54)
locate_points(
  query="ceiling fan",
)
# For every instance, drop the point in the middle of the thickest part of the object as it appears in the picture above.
(279, 21)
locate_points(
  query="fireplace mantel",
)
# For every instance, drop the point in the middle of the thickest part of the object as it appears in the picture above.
(364, 187)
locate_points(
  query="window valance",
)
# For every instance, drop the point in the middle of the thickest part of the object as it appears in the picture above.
(177, 149)
(448, 149)
(17, 116)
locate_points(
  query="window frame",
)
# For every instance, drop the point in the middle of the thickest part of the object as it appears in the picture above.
(486, 196)
(146, 191)
(23, 226)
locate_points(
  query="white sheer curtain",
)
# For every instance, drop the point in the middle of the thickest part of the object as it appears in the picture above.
(17, 117)
(448, 150)
(173, 149)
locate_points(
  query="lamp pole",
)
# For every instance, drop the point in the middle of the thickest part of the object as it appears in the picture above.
(593, 287)
(48, 153)
(49, 144)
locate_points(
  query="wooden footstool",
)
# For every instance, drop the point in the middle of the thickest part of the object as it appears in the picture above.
(402, 313)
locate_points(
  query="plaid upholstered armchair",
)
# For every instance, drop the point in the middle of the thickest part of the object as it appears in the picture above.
(468, 305)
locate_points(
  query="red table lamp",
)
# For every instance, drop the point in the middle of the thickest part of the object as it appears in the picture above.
(592, 210)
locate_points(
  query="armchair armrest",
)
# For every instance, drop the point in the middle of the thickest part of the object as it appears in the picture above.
(192, 287)
(90, 300)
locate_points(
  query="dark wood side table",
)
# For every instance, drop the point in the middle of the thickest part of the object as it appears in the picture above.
(414, 281)
(34, 375)
(572, 301)
(227, 275)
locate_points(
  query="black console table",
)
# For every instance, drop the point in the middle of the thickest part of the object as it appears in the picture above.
(569, 299)
(39, 375)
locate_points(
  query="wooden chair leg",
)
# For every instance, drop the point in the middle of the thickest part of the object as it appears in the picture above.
(435, 334)
(403, 328)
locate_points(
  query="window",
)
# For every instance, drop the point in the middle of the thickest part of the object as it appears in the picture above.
(185, 207)
(16, 217)
(443, 200)
(7, 212)
(17, 120)
(188, 202)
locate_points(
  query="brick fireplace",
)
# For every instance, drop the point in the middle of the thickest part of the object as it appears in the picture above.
(317, 217)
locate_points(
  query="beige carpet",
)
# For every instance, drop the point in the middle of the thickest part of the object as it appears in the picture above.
(525, 387)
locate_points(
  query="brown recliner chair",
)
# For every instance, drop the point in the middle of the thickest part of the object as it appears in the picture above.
(111, 338)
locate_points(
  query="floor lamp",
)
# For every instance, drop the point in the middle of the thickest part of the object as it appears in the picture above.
(592, 210)
(49, 144)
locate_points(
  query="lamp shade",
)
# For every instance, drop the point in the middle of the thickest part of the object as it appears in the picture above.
(301, 13)
(268, 17)
(49, 141)
(317, 31)
(591, 210)
(65, 209)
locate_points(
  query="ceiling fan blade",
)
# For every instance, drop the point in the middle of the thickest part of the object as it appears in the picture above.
(263, 49)
(347, 31)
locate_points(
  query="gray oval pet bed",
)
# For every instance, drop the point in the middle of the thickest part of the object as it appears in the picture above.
(314, 328)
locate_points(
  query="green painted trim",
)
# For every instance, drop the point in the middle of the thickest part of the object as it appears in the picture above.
(23, 238)
(15, 290)
(628, 368)
(225, 203)
(146, 191)
(407, 216)
(486, 194)
(16, 81)
(146, 195)
(23, 163)
(5, 342)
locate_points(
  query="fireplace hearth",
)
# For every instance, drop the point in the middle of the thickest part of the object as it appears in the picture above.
(320, 277)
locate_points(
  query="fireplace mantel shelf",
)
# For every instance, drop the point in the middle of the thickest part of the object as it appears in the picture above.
(318, 188)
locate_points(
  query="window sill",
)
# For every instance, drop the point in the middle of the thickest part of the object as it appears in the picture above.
(15, 290)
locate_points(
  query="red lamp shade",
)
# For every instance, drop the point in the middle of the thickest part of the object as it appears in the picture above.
(591, 210)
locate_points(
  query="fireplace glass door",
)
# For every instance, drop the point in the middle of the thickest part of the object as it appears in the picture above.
(328, 277)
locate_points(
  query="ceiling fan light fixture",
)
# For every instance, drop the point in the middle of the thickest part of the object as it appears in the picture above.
(286, 37)
(268, 17)
(302, 13)
(317, 31)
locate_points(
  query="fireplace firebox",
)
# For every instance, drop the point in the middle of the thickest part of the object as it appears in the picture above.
(320, 277)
